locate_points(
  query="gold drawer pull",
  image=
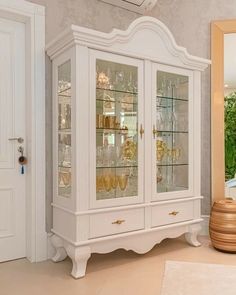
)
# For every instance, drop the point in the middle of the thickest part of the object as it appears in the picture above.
(174, 213)
(119, 221)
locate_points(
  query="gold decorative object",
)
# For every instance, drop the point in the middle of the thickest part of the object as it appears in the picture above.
(161, 149)
(129, 150)
(119, 221)
(112, 121)
(106, 122)
(223, 225)
(102, 80)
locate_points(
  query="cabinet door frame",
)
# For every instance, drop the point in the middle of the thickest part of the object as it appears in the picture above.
(94, 55)
(190, 191)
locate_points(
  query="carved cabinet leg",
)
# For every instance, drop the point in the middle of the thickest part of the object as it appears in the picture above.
(191, 236)
(79, 257)
(57, 243)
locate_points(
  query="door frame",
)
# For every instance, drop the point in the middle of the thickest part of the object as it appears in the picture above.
(218, 29)
(33, 16)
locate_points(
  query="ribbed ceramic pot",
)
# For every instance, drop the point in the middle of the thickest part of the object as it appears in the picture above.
(223, 225)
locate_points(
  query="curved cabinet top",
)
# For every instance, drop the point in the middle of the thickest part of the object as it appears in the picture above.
(145, 38)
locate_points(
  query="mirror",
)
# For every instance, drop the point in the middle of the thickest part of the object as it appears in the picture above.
(219, 32)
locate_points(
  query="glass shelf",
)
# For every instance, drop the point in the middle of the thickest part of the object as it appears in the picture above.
(64, 95)
(116, 90)
(115, 101)
(117, 167)
(172, 132)
(64, 90)
(172, 98)
(64, 167)
(170, 165)
(112, 129)
(67, 131)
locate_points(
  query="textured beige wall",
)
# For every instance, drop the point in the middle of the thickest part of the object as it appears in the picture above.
(88, 13)
(188, 20)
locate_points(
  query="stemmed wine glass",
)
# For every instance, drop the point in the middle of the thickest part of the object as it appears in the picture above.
(107, 183)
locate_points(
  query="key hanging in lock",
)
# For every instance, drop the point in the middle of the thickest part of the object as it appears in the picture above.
(22, 159)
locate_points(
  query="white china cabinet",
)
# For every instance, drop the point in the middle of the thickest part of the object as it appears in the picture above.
(126, 141)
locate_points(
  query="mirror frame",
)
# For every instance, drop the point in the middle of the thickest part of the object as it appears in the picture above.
(218, 29)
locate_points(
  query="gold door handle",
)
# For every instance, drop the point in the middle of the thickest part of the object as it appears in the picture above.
(174, 213)
(141, 131)
(154, 131)
(119, 221)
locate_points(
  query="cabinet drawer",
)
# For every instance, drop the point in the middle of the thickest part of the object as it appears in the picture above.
(171, 213)
(104, 224)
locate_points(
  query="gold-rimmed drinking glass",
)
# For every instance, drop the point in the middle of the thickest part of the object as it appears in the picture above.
(66, 178)
(99, 183)
(114, 180)
(123, 181)
(107, 182)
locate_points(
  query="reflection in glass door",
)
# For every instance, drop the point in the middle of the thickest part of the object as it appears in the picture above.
(171, 132)
(116, 130)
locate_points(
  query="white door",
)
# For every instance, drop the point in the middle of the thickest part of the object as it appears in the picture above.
(12, 124)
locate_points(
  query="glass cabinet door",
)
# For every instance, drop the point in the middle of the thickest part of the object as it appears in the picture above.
(64, 129)
(117, 130)
(171, 132)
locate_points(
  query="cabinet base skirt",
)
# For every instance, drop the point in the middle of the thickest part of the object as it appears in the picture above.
(140, 242)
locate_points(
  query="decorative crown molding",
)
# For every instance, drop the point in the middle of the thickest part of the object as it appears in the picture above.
(101, 40)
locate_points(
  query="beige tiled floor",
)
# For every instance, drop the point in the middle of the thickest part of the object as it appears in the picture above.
(117, 273)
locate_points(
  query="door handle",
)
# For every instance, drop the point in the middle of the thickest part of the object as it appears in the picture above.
(141, 131)
(154, 131)
(18, 139)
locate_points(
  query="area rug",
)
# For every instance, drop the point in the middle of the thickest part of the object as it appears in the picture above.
(185, 278)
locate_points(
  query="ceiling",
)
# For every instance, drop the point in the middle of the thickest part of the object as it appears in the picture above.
(230, 60)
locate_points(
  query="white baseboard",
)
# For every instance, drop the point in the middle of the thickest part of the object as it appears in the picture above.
(205, 225)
